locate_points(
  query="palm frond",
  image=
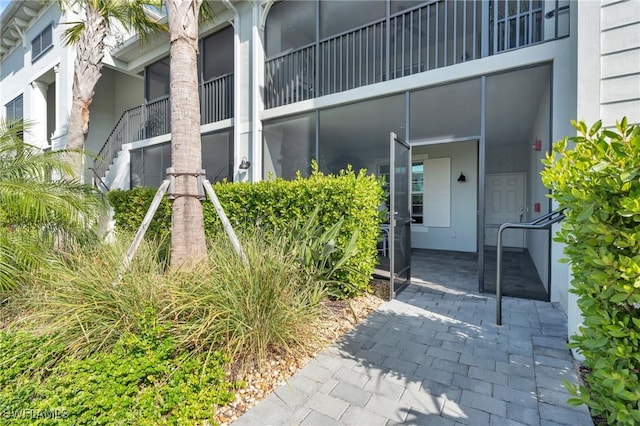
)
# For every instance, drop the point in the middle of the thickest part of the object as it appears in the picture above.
(133, 15)
(20, 255)
(206, 12)
(42, 207)
(71, 34)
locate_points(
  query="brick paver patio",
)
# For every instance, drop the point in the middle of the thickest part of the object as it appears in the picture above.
(433, 356)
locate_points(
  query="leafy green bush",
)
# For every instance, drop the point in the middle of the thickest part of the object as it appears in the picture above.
(598, 182)
(144, 379)
(280, 205)
(25, 360)
(131, 206)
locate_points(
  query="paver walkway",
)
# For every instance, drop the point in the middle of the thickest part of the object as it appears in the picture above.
(434, 357)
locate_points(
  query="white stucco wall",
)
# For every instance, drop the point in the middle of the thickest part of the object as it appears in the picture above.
(102, 112)
(538, 241)
(55, 66)
(114, 93)
(462, 234)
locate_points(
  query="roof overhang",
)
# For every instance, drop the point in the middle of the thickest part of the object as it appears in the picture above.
(14, 22)
(129, 52)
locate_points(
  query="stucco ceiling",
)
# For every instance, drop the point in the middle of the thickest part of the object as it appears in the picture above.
(513, 100)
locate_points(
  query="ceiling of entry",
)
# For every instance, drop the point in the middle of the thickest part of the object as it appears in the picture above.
(513, 101)
(448, 111)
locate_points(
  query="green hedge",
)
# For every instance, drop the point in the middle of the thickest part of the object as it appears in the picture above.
(279, 204)
(596, 177)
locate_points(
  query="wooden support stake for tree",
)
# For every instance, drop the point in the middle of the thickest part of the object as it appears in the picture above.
(154, 207)
(225, 221)
(144, 226)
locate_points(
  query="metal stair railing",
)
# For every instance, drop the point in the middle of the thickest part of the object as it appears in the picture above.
(543, 222)
(153, 119)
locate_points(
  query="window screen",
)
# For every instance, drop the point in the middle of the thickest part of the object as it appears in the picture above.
(42, 42)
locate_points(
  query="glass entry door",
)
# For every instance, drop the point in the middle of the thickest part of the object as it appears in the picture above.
(399, 214)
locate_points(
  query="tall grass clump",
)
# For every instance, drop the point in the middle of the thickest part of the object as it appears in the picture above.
(222, 304)
(81, 303)
(249, 310)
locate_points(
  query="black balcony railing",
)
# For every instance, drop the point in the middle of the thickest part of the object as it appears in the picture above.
(154, 119)
(216, 99)
(433, 35)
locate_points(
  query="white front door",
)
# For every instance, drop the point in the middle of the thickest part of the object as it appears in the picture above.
(504, 202)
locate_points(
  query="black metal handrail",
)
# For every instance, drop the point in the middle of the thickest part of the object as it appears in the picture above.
(137, 123)
(154, 119)
(543, 222)
(99, 179)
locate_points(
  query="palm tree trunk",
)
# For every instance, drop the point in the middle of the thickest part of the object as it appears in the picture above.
(187, 228)
(87, 67)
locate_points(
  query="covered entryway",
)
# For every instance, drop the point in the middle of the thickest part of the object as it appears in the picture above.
(475, 143)
(517, 138)
(485, 137)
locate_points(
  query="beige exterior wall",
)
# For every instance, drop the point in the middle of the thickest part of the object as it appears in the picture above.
(609, 61)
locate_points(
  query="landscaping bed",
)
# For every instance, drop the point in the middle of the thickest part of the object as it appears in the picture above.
(338, 317)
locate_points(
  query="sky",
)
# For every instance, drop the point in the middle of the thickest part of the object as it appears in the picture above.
(3, 4)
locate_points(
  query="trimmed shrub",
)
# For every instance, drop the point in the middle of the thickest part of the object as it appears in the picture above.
(596, 177)
(280, 205)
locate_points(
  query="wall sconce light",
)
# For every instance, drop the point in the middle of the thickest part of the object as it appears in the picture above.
(462, 177)
(244, 164)
(537, 145)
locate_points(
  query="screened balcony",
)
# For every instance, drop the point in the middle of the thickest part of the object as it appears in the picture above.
(154, 119)
(345, 53)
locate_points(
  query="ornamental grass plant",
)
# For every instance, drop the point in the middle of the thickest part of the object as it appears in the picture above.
(248, 309)
(245, 310)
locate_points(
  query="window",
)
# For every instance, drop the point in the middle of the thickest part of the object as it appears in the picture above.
(14, 111)
(417, 191)
(289, 144)
(42, 42)
(217, 155)
(522, 20)
(290, 25)
(149, 164)
(339, 16)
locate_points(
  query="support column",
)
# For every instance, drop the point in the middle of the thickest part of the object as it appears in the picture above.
(257, 83)
(56, 139)
(242, 92)
(38, 109)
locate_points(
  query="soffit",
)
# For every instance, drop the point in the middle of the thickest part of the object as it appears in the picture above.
(131, 49)
(15, 21)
